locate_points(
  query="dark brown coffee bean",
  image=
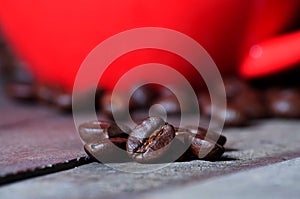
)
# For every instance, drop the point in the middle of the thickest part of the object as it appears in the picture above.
(204, 104)
(177, 150)
(21, 91)
(251, 102)
(201, 133)
(233, 86)
(98, 97)
(284, 102)
(142, 97)
(205, 149)
(63, 101)
(199, 147)
(170, 104)
(108, 150)
(45, 94)
(99, 130)
(150, 141)
(118, 102)
(233, 115)
(164, 91)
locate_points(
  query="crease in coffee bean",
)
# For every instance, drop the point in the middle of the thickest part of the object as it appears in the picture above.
(147, 144)
(150, 140)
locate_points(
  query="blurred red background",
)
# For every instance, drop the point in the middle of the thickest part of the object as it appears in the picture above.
(54, 37)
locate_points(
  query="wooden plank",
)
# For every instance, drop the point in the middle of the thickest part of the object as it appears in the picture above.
(265, 143)
(38, 144)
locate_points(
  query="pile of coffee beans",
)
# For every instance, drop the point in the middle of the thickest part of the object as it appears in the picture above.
(39, 93)
(244, 102)
(152, 141)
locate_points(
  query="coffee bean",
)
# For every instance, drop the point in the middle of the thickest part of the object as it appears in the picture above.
(108, 150)
(142, 97)
(177, 150)
(63, 101)
(206, 150)
(100, 130)
(150, 141)
(164, 91)
(199, 147)
(204, 104)
(284, 102)
(233, 86)
(201, 133)
(45, 93)
(118, 102)
(170, 104)
(98, 97)
(21, 91)
(233, 115)
(251, 102)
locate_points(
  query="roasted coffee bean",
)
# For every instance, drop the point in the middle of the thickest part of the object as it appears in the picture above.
(233, 86)
(251, 102)
(177, 150)
(150, 141)
(45, 93)
(170, 104)
(108, 150)
(234, 116)
(98, 97)
(63, 101)
(164, 91)
(21, 91)
(204, 104)
(201, 133)
(142, 97)
(205, 149)
(284, 102)
(118, 102)
(100, 130)
(199, 147)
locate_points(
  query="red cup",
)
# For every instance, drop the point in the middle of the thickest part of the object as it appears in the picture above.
(54, 37)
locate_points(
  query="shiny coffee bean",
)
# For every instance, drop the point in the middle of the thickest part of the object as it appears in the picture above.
(206, 150)
(100, 130)
(284, 102)
(142, 97)
(201, 133)
(198, 147)
(118, 102)
(251, 102)
(169, 103)
(63, 101)
(45, 94)
(150, 141)
(233, 115)
(164, 91)
(98, 97)
(21, 91)
(204, 104)
(177, 150)
(233, 86)
(108, 150)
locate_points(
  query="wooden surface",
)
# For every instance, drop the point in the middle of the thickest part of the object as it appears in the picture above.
(37, 140)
